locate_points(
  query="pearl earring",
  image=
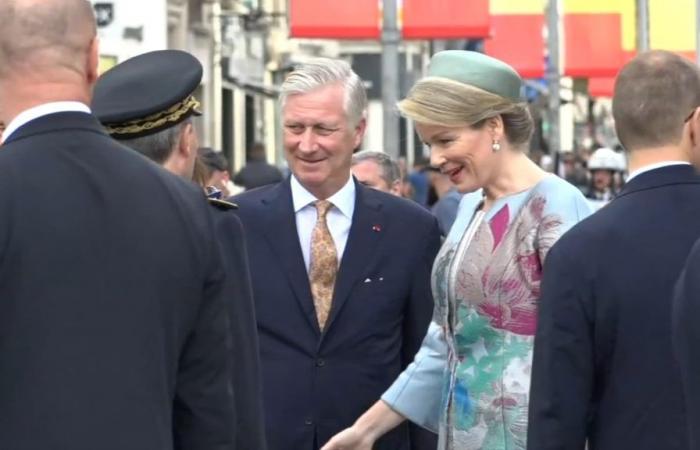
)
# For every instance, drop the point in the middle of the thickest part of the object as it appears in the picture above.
(496, 146)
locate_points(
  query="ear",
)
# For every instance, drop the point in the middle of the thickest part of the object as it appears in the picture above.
(185, 146)
(360, 131)
(93, 63)
(396, 188)
(496, 127)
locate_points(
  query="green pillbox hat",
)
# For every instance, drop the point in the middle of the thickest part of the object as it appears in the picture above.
(478, 70)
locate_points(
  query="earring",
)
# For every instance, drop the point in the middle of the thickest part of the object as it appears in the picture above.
(496, 146)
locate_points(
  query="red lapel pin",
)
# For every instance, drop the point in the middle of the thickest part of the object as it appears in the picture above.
(377, 228)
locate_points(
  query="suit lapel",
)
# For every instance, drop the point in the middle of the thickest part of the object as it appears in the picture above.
(281, 232)
(366, 232)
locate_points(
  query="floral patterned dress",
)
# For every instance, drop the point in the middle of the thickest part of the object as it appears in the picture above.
(471, 379)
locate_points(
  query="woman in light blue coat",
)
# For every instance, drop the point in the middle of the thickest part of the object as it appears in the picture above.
(470, 380)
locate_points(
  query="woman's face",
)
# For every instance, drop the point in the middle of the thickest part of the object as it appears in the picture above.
(464, 154)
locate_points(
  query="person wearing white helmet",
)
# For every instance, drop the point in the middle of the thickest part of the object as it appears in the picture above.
(603, 165)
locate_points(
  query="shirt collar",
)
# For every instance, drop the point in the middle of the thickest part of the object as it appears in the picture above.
(30, 114)
(655, 166)
(344, 199)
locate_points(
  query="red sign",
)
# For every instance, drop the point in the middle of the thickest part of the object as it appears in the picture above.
(445, 19)
(517, 39)
(593, 45)
(336, 19)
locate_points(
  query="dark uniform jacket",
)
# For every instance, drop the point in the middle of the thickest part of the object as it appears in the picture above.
(604, 369)
(249, 427)
(112, 322)
(316, 384)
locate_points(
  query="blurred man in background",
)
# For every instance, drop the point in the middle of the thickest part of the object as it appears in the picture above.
(377, 170)
(257, 172)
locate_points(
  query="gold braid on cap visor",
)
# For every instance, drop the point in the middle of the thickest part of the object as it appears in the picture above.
(171, 115)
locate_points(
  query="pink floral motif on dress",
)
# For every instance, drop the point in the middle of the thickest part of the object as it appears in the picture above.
(499, 225)
(511, 295)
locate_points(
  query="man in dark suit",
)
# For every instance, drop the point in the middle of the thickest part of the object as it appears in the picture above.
(132, 100)
(113, 330)
(686, 337)
(340, 271)
(603, 368)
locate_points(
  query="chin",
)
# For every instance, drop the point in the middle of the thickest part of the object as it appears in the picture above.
(467, 187)
(310, 178)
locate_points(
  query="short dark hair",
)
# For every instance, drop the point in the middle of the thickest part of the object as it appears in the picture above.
(212, 159)
(654, 93)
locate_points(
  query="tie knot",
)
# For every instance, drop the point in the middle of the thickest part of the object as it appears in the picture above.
(322, 207)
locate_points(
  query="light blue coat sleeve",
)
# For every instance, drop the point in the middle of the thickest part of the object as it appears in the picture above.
(417, 392)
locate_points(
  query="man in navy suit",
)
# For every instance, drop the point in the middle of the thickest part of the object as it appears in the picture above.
(340, 271)
(603, 368)
(113, 330)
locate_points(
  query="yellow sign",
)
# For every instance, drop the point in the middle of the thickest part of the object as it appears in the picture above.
(517, 6)
(672, 27)
(106, 63)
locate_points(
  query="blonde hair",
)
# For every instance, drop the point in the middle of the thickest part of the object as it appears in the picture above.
(445, 102)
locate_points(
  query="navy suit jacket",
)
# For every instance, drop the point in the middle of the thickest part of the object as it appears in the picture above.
(686, 336)
(112, 322)
(603, 366)
(316, 384)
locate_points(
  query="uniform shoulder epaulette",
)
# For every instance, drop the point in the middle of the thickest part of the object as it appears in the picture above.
(222, 204)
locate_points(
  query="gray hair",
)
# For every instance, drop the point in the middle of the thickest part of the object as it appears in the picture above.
(391, 172)
(159, 146)
(320, 72)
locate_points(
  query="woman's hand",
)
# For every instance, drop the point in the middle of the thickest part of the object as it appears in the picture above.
(350, 439)
(379, 419)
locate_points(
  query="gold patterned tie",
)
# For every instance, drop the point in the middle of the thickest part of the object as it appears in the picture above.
(324, 263)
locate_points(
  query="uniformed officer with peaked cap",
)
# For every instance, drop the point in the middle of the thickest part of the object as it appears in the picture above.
(147, 103)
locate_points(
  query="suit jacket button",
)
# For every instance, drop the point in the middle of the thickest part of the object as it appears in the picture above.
(308, 422)
(320, 362)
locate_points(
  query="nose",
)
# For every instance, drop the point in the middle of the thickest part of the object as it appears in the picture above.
(436, 157)
(307, 140)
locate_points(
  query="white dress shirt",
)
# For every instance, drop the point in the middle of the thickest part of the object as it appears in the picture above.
(339, 217)
(650, 167)
(36, 112)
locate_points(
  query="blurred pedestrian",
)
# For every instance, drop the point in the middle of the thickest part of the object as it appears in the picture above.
(448, 198)
(257, 172)
(604, 165)
(377, 170)
(217, 172)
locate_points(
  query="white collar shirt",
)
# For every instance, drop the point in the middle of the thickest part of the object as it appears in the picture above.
(339, 218)
(36, 112)
(651, 167)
